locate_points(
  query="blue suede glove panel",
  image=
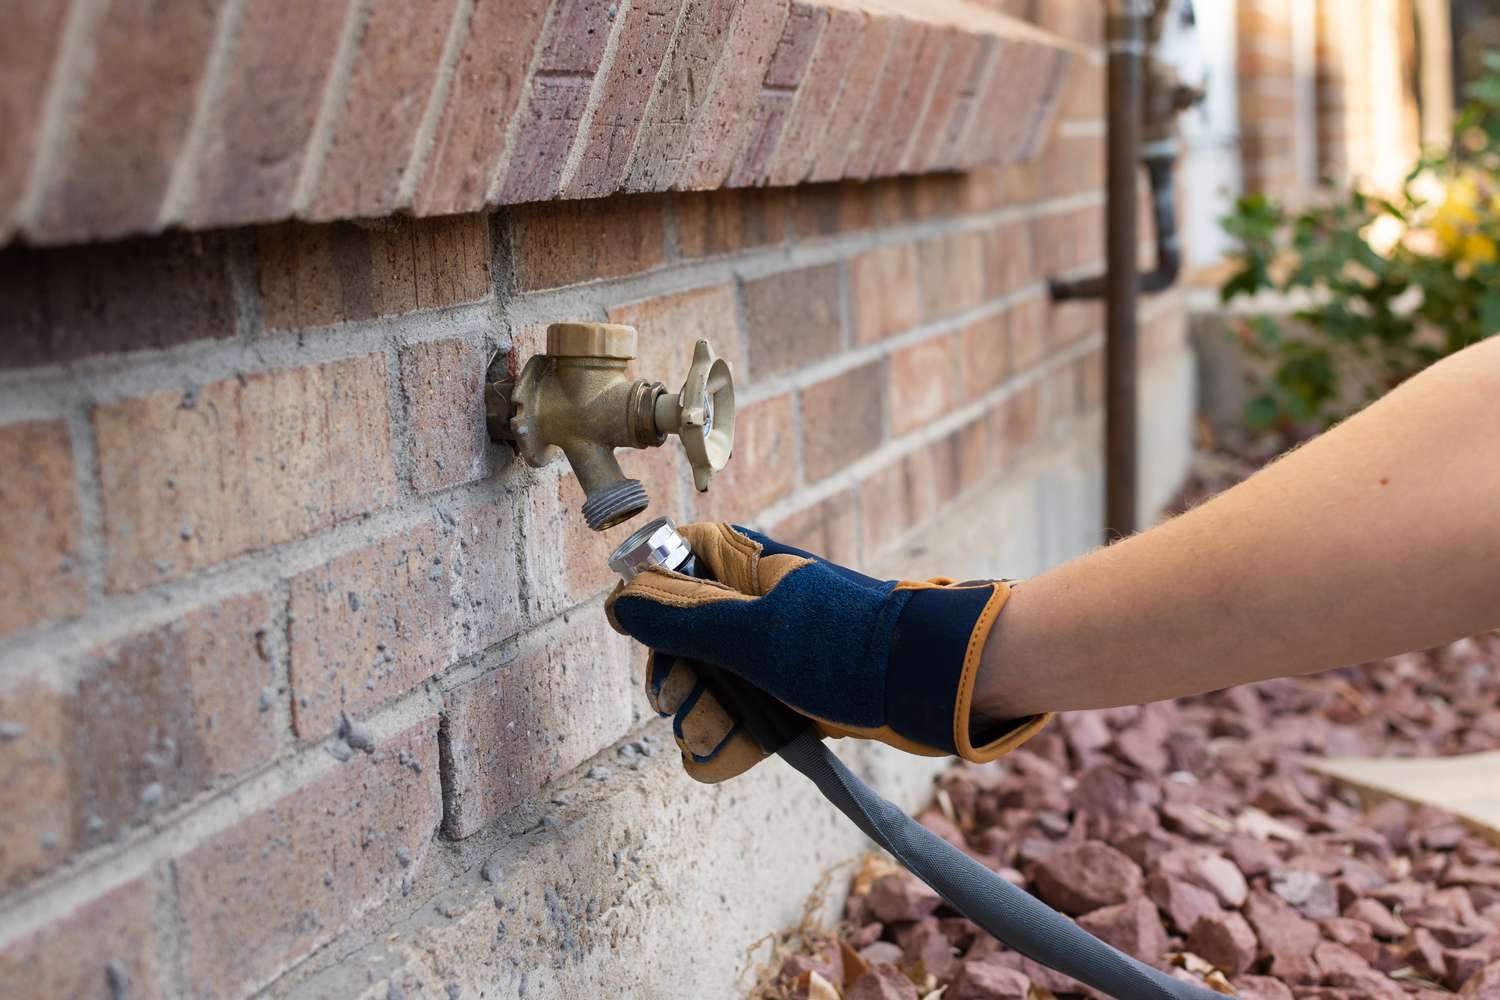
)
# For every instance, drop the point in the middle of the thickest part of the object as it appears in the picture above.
(841, 647)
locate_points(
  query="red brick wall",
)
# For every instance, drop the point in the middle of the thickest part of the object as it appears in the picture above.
(277, 622)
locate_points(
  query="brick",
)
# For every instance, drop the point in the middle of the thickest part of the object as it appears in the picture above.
(843, 419)
(70, 303)
(870, 137)
(684, 87)
(341, 272)
(1017, 425)
(827, 528)
(789, 62)
(952, 274)
(710, 223)
(792, 319)
(263, 894)
(560, 89)
(1028, 334)
(900, 123)
(512, 731)
(902, 496)
(764, 467)
(923, 382)
(395, 67)
(1010, 259)
(481, 101)
(1070, 241)
(1084, 100)
(947, 145)
(855, 98)
(606, 144)
(951, 70)
(103, 949)
(36, 826)
(968, 453)
(378, 621)
(442, 383)
(41, 579)
(1073, 164)
(564, 243)
(839, 44)
(669, 325)
(724, 124)
(27, 48)
(131, 122)
(152, 720)
(257, 136)
(995, 103)
(192, 478)
(567, 562)
(985, 354)
(829, 209)
(883, 292)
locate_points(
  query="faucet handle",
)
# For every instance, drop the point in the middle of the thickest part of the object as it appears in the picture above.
(701, 414)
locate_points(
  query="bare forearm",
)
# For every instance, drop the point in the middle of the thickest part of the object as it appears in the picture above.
(1381, 536)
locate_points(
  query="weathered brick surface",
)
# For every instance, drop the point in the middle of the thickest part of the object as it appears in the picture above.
(923, 382)
(563, 243)
(41, 577)
(764, 467)
(721, 222)
(192, 478)
(820, 94)
(482, 97)
(256, 140)
(1029, 333)
(442, 384)
(1009, 258)
(395, 68)
(559, 95)
(320, 275)
(952, 272)
(132, 121)
(870, 136)
(727, 118)
(906, 492)
(104, 949)
(685, 86)
(508, 733)
(149, 722)
(668, 326)
(799, 38)
(606, 144)
(27, 49)
(36, 827)
(345, 110)
(66, 304)
(883, 293)
(268, 890)
(380, 620)
(845, 418)
(170, 712)
(828, 527)
(793, 318)
(984, 355)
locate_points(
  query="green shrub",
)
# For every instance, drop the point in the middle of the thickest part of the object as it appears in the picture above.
(1386, 285)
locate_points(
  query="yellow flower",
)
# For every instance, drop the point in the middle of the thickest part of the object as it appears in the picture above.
(1478, 249)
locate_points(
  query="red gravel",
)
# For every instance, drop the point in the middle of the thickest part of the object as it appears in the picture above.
(1188, 834)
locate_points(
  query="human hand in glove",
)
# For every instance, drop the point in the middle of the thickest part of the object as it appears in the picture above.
(894, 661)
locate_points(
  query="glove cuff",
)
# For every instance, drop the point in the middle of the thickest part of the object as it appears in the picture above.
(936, 647)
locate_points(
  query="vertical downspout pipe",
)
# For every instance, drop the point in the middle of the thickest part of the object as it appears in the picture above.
(1126, 42)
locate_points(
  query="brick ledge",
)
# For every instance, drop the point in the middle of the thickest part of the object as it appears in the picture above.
(123, 122)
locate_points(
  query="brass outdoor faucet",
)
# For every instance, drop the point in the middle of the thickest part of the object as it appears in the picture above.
(577, 398)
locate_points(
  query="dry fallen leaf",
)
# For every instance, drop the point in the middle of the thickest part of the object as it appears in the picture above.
(819, 988)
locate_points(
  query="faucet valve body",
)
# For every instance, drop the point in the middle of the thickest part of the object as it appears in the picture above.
(577, 399)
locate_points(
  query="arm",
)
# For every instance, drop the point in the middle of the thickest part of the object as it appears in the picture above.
(1381, 536)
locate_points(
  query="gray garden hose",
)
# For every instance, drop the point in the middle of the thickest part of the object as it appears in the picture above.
(1015, 917)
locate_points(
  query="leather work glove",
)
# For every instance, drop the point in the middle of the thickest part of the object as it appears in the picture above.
(893, 661)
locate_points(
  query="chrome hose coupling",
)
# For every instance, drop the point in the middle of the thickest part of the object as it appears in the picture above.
(658, 543)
